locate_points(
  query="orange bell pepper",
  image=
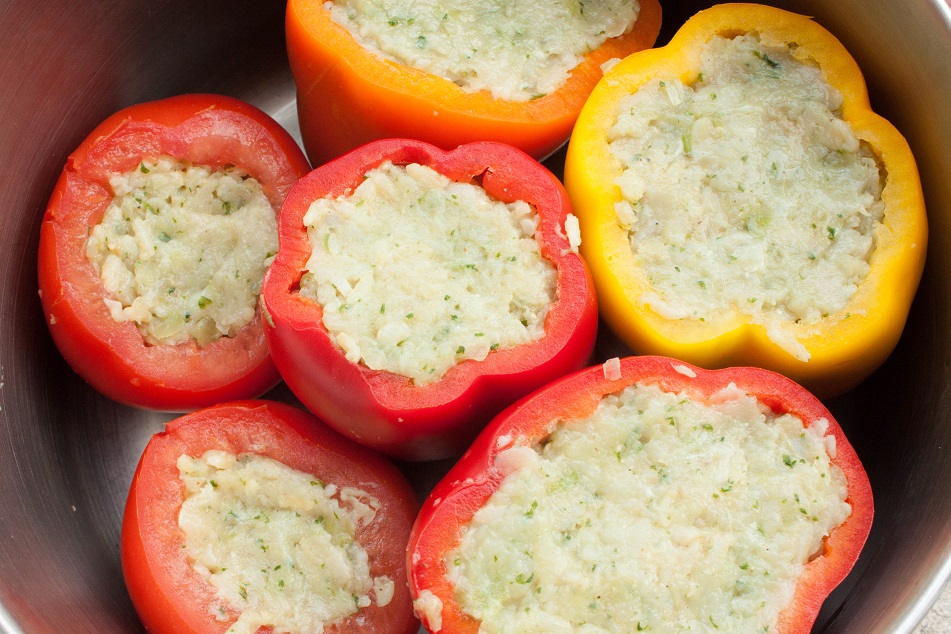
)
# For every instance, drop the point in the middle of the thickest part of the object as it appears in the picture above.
(843, 347)
(348, 95)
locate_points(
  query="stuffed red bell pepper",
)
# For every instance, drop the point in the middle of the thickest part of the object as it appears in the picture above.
(154, 245)
(649, 495)
(417, 292)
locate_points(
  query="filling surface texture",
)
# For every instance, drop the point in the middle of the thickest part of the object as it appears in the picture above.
(416, 272)
(744, 191)
(515, 50)
(278, 546)
(182, 250)
(657, 513)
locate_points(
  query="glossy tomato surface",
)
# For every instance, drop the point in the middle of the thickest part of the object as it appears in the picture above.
(170, 596)
(208, 130)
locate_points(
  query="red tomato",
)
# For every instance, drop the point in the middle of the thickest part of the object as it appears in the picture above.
(390, 412)
(208, 130)
(170, 596)
(472, 481)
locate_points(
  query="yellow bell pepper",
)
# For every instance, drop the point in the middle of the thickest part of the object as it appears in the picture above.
(842, 348)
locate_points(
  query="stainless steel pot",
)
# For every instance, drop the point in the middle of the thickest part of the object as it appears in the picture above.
(67, 454)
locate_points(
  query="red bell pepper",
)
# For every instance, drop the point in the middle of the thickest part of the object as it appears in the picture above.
(475, 478)
(166, 590)
(113, 357)
(388, 411)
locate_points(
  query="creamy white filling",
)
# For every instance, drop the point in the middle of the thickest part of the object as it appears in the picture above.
(182, 250)
(657, 513)
(516, 51)
(416, 273)
(744, 191)
(278, 546)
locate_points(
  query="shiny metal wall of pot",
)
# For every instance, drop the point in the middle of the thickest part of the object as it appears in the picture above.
(67, 454)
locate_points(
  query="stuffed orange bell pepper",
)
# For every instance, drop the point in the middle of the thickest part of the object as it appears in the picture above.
(451, 74)
(741, 204)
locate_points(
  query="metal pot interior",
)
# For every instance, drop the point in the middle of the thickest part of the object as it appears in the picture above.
(67, 454)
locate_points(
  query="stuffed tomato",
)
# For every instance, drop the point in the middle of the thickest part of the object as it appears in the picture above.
(645, 494)
(417, 292)
(154, 245)
(454, 72)
(253, 514)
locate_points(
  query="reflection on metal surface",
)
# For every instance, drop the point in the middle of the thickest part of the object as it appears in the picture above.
(67, 455)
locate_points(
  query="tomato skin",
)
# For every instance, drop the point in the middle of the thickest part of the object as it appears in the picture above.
(384, 410)
(170, 596)
(473, 479)
(209, 130)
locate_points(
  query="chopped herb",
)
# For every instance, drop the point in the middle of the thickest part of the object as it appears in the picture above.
(766, 58)
(203, 301)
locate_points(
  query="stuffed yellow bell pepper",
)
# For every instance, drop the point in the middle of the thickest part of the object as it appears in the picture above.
(741, 204)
